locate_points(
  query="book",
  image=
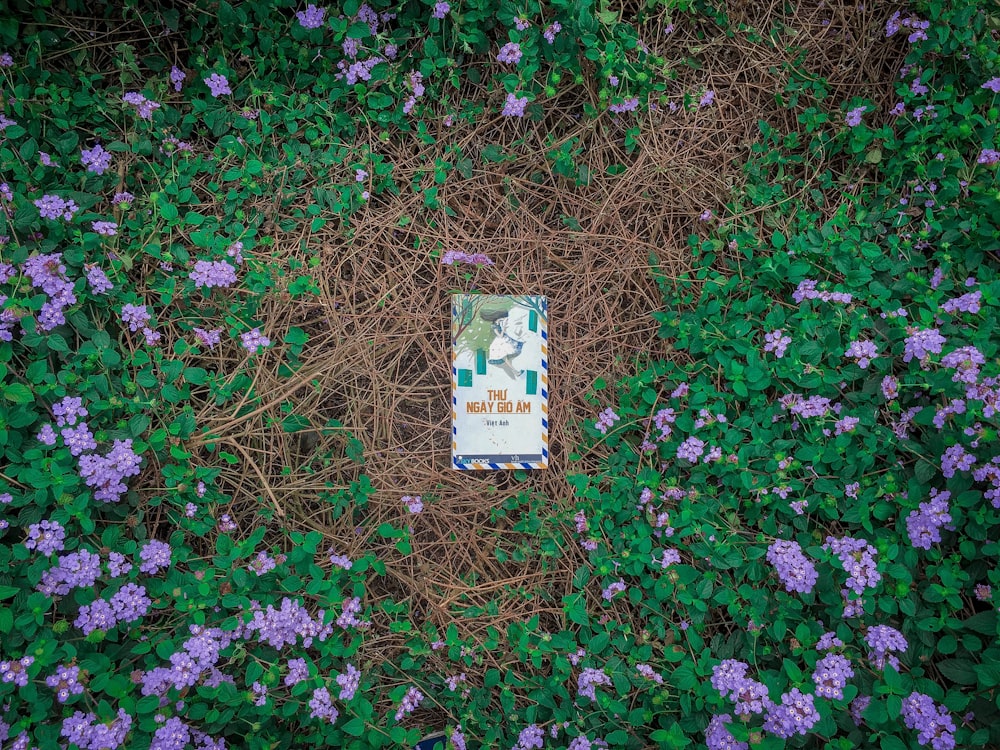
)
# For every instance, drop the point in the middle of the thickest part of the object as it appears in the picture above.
(499, 382)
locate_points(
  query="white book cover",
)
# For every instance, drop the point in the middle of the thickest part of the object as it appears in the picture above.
(499, 382)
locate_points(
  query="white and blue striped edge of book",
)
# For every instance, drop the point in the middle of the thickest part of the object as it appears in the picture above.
(431, 740)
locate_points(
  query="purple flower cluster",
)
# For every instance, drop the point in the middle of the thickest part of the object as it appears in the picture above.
(413, 503)
(106, 474)
(321, 706)
(409, 704)
(55, 208)
(254, 340)
(76, 570)
(853, 118)
(510, 53)
(341, 561)
(988, 157)
(718, 737)
(729, 678)
(626, 105)
(831, 675)
(65, 681)
(793, 568)
(441, 9)
(857, 557)
(208, 338)
(955, 458)
(262, 563)
(589, 680)
(98, 280)
(795, 715)
(96, 159)
(776, 342)
(349, 681)
(417, 87)
(923, 526)
(807, 290)
(177, 77)
(670, 557)
(105, 228)
(284, 626)
(218, 85)
(691, 449)
(613, 590)
(605, 419)
(532, 737)
(863, 352)
(16, 670)
(214, 273)
(47, 537)
(814, 406)
(829, 641)
(933, 723)
(649, 673)
(154, 556)
(312, 17)
(127, 605)
(457, 256)
(922, 342)
(965, 361)
(917, 27)
(87, 733)
(662, 421)
(144, 107)
(514, 105)
(298, 671)
(550, 32)
(135, 316)
(883, 642)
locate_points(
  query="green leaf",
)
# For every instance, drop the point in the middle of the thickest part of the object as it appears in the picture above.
(18, 393)
(8, 592)
(961, 671)
(359, 30)
(355, 727)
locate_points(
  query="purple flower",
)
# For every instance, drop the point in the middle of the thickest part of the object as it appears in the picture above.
(155, 556)
(47, 537)
(829, 640)
(321, 705)
(123, 200)
(853, 118)
(883, 641)
(795, 715)
(670, 557)
(349, 682)
(210, 274)
(922, 342)
(298, 671)
(707, 98)
(992, 85)
(890, 387)
(209, 338)
(53, 207)
(510, 53)
(414, 504)
(440, 10)
(311, 18)
(589, 680)
(262, 563)
(521, 24)
(514, 106)
(46, 435)
(628, 105)
(718, 737)
(118, 565)
(218, 85)
(933, 723)
(135, 316)
(78, 439)
(253, 340)
(130, 603)
(458, 256)
(107, 228)
(98, 280)
(532, 737)
(177, 77)
(96, 616)
(793, 568)
(989, 157)
(96, 159)
(409, 703)
(605, 419)
(87, 733)
(6, 61)
(846, 424)
(65, 682)
(923, 525)
(144, 107)
(729, 678)
(550, 32)
(613, 589)
(831, 675)
(863, 352)
(776, 342)
(649, 673)
(691, 449)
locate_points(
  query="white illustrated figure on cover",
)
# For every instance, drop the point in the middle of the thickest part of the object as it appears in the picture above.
(508, 339)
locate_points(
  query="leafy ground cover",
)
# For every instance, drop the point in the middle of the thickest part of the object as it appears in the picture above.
(773, 521)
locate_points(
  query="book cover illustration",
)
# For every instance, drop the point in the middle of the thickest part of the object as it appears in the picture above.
(499, 382)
